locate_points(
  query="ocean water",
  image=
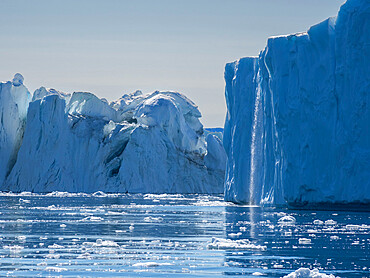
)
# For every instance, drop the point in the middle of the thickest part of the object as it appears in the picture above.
(114, 235)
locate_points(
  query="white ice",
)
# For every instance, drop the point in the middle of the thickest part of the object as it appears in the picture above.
(142, 143)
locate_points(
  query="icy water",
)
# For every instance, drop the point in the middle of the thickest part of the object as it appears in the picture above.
(99, 235)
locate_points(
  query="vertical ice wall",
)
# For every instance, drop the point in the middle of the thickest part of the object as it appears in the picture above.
(14, 99)
(80, 143)
(311, 141)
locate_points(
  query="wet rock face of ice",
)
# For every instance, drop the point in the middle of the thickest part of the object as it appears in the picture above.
(297, 126)
(142, 143)
(14, 100)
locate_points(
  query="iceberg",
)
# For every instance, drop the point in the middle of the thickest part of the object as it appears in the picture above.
(308, 273)
(14, 100)
(297, 127)
(141, 143)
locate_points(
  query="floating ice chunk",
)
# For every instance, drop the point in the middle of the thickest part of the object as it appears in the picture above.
(65, 194)
(42, 264)
(62, 225)
(304, 240)
(240, 244)
(13, 248)
(334, 237)
(116, 212)
(257, 274)
(105, 243)
(330, 222)
(101, 243)
(131, 228)
(235, 235)
(18, 80)
(353, 227)
(307, 273)
(24, 201)
(99, 194)
(85, 256)
(55, 246)
(287, 220)
(55, 269)
(153, 219)
(150, 264)
(21, 238)
(53, 256)
(318, 222)
(92, 218)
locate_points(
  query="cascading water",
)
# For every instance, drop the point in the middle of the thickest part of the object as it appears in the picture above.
(256, 152)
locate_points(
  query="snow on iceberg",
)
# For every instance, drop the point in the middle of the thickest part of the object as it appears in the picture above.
(297, 126)
(43, 92)
(151, 143)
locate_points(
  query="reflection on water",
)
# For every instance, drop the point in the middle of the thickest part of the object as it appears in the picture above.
(97, 235)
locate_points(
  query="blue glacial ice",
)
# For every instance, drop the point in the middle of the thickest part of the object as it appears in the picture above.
(14, 100)
(297, 129)
(79, 143)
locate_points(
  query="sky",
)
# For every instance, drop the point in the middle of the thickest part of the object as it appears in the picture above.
(114, 47)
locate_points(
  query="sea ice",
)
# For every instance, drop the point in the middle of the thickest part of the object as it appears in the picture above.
(307, 273)
(287, 220)
(229, 244)
(55, 269)
(150, 264)
(304, 240)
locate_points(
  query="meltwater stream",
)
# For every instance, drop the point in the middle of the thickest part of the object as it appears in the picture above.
(100, 235)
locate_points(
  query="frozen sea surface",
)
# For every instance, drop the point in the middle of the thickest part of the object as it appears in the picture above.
(112, 235)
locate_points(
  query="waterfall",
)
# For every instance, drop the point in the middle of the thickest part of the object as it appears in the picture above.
(256, 152)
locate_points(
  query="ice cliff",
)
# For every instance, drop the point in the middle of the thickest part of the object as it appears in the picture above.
(297, 129)
(14, 99)
(79, 143)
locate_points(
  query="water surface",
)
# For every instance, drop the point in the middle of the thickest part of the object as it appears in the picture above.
(100, 235)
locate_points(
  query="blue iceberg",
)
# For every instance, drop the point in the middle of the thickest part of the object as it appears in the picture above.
(297, 129)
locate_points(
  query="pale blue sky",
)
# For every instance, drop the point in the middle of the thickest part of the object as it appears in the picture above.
(115, 47)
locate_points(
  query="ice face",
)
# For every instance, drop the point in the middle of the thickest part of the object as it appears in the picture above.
(141, 143)
(164, 111)
(297, 126)
(14, 100)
